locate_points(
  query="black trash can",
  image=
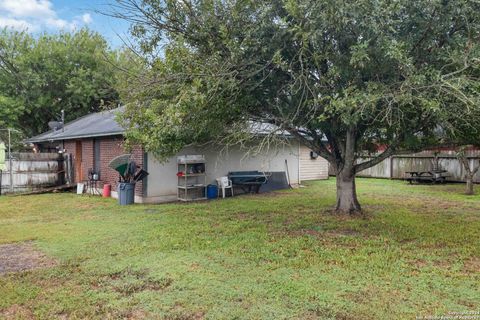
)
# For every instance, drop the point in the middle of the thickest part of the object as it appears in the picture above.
(126, 193)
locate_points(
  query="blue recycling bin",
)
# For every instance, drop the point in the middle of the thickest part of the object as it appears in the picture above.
(212, 191)
(126, 193)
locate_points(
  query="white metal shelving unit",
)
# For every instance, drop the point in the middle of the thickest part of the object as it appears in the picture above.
(192, 178)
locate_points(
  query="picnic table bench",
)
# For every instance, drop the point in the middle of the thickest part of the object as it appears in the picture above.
(433, 176)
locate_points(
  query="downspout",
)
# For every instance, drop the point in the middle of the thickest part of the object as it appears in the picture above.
(298, 163)
(145, 181)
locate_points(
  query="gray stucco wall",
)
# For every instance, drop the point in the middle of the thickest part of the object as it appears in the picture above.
(162, 181)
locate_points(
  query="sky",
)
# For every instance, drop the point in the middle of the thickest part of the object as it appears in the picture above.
(52, 16)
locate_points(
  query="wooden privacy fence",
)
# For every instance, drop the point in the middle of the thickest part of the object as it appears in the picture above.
(33, 171)
(396, 166)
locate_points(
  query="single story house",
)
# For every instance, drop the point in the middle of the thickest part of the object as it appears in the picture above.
(95, 139)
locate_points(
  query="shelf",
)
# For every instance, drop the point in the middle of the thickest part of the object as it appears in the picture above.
(192, 158)
(191, 187)
(191, 184)
(191, 162)
(192, 175)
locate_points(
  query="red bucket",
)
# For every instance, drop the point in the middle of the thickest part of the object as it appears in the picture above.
(107, 190)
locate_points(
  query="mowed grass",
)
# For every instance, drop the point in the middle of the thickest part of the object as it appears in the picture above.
(275, 256)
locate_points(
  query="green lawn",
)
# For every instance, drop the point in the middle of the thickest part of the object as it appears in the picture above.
(276, 256)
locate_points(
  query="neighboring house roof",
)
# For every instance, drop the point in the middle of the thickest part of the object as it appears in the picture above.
(98, 124)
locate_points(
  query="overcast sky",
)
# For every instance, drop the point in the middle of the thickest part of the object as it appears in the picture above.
(55, 15)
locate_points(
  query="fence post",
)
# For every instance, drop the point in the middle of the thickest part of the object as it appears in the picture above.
(391, 167)
(61, 169)
(10, 162)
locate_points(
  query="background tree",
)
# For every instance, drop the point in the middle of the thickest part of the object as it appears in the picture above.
(462, 156)
(460, 129)
(41, 76)
(343, 77)
(465, 137)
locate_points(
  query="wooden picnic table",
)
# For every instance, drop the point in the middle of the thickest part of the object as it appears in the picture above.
(433, 176)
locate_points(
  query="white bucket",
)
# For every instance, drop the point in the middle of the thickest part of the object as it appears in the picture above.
(80, 188)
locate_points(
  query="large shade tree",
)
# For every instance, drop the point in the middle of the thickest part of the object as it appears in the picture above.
(43, 74)
(346, 78)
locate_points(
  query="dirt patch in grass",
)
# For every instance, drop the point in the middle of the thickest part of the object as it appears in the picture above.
(185, 316)
(128, 282)
(419, 264)
(472, 265)
(307, 232)
(16, 312)
(325, 233)
(328, 313)
(178, 312)
(23, 256)
(137, 314)
(242, 216)
(340, 216)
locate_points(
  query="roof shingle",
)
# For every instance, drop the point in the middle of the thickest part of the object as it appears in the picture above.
(98, 124)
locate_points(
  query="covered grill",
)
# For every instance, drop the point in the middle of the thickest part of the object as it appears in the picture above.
(249, 181)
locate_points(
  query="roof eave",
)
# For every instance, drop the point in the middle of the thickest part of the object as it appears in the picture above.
(85, 136)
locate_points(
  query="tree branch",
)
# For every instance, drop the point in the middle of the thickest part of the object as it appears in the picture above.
(315, 144)
(390, 151)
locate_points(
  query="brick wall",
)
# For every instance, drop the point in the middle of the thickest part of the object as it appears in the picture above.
(110, 147)
(69, 145)
(87, 157)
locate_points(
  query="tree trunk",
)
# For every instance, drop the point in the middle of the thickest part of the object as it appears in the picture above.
(469, 186)
(469, 173)
(347, 201)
